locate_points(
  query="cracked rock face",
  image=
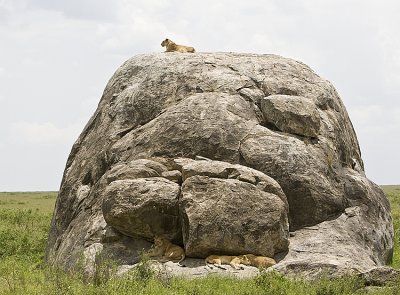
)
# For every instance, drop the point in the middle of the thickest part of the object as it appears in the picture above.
(291, 114)
(231, 209)
(221, 153)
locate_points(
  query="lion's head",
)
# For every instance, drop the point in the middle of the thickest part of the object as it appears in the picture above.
(165, 42)
(246, 259)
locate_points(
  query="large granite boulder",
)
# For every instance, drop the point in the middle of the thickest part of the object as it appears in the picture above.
(231, 209)
(229, 216)
(143, 207)
(222, 153)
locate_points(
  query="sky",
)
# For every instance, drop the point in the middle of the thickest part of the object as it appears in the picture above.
(56, 57)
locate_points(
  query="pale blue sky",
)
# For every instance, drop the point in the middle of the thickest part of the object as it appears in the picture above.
(57, 56)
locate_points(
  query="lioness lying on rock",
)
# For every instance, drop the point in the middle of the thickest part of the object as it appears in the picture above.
(163, 250)
(218, 260)
(171, 46)
(235, 261)
(258, 261)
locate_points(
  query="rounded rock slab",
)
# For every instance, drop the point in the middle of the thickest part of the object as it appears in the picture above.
(143, 207)
(228, 216)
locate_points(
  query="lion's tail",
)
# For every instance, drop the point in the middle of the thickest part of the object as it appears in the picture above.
(183, 257)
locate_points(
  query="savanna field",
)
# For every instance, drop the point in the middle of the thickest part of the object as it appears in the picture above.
(24, 223)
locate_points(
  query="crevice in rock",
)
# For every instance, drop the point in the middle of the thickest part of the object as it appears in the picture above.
(287, 91)
(271, 127)
(258, 85)
(305, 139)
(231, 68)
(104, 165)
(243, 87)
(87, 179)
(242, 160)
(126, 131)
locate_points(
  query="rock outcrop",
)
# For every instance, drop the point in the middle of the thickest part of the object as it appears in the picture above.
(221, 153)
(244, 212)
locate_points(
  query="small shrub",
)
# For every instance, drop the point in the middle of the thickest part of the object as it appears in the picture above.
(272, 283)
(23, 233)
(105, 270)
(343, 285)
(143, 271)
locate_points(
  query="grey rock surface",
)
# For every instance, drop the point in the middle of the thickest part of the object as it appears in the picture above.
(224, 170)
(228, 216)
(381, 276)
(278, 136)
(143, 207)
(291, 114)
(194, 268)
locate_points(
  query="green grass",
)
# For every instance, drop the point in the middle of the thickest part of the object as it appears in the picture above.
(24, 224)
(393, 194)
(38, 201)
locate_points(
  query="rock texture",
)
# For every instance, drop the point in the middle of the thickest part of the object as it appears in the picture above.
(143, 207)
(221, 152)
(291, 114)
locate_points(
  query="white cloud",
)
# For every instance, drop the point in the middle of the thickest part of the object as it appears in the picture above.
(390, 50)
(376, 116)
(137, 30)
(43, 133)
(12, 5)
(84, 9)
(377, 129)
(363, 114)
(376, 126)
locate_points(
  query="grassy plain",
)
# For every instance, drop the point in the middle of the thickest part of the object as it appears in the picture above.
(42, 202)
(24, 223)
(393, 194)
